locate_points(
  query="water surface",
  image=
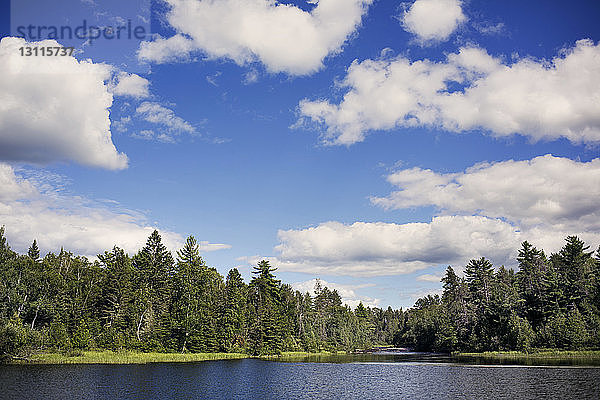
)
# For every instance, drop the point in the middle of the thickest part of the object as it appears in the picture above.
(359, 377)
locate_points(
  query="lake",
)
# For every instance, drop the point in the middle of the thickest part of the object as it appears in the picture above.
(362, 377)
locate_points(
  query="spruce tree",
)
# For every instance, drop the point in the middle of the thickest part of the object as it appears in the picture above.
(154, 267)
(234, 313)
(34, 252)
(530, 278)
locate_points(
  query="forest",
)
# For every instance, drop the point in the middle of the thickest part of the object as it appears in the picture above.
(160, 302)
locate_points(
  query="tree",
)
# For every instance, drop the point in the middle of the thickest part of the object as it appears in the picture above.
(154, 268)
(34, 252)
(117, 294)
(575, 266)
(530, 278)
(234, 312)
(265, 300)
(428, 326)
(479, 275)
(197, 292)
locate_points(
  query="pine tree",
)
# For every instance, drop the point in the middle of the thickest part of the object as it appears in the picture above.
(187, 313)
(575, 265)
(234, 312)
(479, 275)
(455, 297)
(480, 278)
(154, 267)
(34, 252)
(265, 332)
(116, 296)
(530, 278)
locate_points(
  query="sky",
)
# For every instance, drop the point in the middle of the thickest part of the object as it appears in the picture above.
(366, 143)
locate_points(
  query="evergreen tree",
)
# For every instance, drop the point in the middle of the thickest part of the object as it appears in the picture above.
(479, 275)
(234, 312)
(265, 331)
(455, 297)
(117, 294)
(34, 252)
(530, 278)
(153, 267)
(575, 266)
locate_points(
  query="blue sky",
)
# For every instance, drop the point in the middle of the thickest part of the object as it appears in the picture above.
(366, 143)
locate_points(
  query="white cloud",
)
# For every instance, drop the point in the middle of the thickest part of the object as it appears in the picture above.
(283, 37)
(490, 28)
(35, 207)
(546, 189)
(148, 134)
(157, 114)
(145, 134)
(486, 211)
(346, 292)
(251, 77)
(55, 109)
(131, 85)
(377, 249)
(429, 278)
(121, 124)
(206, 246)
(539, 99)
(433, 20)
(547, 197)
(420, 293)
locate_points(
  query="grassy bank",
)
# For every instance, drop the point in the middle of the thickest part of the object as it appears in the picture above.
(537, 356)
(302, 354)
(134, 357)
(126, 357)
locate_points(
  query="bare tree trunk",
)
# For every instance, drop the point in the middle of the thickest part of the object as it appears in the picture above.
(139, 326)
(35, 317)
(20, 310)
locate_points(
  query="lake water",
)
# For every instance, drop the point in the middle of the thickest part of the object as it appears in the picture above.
(348, 377)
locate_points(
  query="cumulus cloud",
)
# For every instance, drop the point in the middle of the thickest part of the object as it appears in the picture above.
(377, 248)
(433, 20)
(131, 85)
(547, 197)
(485, 211)
(283, 37)
(35, 207)
(55, 109)
(420, 293)
(429, 278)
(346, 292)
(158, 114)
(535, 98)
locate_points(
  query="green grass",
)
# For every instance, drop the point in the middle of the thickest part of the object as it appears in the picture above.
(135, 357)
(536, 355)
(127, 357)
(301, 354)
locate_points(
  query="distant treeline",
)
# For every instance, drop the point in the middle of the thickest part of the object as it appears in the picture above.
(154, 302)
(551, 302)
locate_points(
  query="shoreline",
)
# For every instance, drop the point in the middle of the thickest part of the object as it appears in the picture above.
(548, 355)
(136, 357)
(125, 357)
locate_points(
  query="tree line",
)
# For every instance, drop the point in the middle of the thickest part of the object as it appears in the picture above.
(153, 301)
(550, 302)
